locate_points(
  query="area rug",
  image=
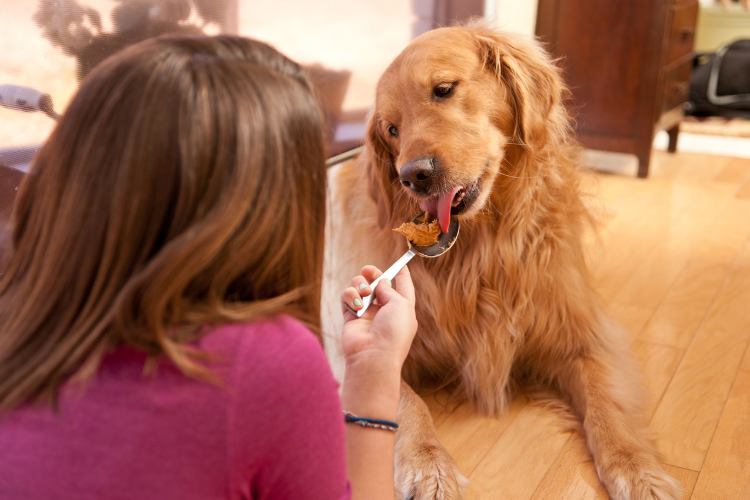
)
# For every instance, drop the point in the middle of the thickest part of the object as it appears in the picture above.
(716, 125)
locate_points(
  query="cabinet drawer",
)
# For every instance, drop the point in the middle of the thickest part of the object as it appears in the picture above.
(682, 30)
(676, 86)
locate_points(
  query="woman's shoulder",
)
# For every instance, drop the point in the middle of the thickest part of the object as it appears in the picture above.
(280, 347)
(278, 333)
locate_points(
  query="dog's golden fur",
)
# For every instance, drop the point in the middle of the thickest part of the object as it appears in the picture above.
(511, 304)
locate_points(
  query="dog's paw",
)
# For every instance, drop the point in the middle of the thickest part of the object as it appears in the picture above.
(629, 476)
(429, 473)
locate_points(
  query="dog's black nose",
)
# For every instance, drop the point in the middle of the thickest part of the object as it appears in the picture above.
(417, 174)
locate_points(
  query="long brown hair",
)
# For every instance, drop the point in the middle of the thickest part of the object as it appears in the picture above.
(184, 186)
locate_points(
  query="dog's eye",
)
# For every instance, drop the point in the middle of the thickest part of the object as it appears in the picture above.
(444, 90)
(393, 131)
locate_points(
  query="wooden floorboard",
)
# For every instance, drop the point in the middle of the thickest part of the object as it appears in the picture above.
(725, 472)
(672, 264)
(469, 436)
(633, 318)
(677, 318)
(572, 476)
(686, 477)
(658, 363)
(519, 460)
(743, 192)
(690, 409)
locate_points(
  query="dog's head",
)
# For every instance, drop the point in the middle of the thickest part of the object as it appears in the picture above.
(448, 111)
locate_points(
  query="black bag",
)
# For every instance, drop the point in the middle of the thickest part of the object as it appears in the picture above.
(720, 84)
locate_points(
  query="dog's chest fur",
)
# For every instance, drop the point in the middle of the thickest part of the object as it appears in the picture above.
(467, 338)
(479, 310)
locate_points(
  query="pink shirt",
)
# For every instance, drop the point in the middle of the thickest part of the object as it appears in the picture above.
(275, 431)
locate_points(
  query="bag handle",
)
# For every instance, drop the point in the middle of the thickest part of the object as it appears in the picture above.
(713, 83)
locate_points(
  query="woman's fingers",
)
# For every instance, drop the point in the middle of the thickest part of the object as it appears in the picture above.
(385, 292)
(404, 285)
(351, 298)
(371, 273)
(360, 284)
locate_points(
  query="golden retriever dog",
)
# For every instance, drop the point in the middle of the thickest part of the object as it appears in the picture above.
(469, 121)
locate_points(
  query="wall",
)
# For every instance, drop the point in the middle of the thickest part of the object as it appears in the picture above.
(717, 26)
(513, 15)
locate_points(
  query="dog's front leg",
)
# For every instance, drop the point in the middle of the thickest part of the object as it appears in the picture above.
(424, 470)
(603, 391)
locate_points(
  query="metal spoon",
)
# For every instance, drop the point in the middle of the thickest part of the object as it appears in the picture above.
(445, 242)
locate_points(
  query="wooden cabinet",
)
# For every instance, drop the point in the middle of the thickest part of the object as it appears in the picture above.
(627, 63)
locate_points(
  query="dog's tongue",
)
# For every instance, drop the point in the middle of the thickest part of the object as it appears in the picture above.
(440, 207)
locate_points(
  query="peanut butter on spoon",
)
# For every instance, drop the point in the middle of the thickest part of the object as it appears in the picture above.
(421, 234)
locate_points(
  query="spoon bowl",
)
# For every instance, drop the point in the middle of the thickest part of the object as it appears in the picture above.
(444, 243)
(445, 240)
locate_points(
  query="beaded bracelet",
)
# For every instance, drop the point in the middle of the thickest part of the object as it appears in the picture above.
(374, 423)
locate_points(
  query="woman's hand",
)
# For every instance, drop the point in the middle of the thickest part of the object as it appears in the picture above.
(375, 347)
(381, 338)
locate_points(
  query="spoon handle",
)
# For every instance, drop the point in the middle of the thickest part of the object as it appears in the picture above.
(388, 275)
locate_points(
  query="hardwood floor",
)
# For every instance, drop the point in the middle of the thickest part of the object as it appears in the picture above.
(672, 264)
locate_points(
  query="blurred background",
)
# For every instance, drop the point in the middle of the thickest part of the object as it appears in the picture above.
(629, 64)
(51, 44)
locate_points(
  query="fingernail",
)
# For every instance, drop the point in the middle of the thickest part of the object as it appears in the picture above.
(388, 282)
(357, 302)
(362, 286)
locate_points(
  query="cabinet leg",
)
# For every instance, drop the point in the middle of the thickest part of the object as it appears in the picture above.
(644, 158)
(673, 138)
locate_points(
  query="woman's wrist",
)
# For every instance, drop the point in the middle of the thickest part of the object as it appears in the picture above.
(371, 392)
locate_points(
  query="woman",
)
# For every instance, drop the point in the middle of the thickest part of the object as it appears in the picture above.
(157, 314)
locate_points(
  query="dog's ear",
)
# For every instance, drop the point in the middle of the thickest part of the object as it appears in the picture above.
(534, 85)
(382, 175)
